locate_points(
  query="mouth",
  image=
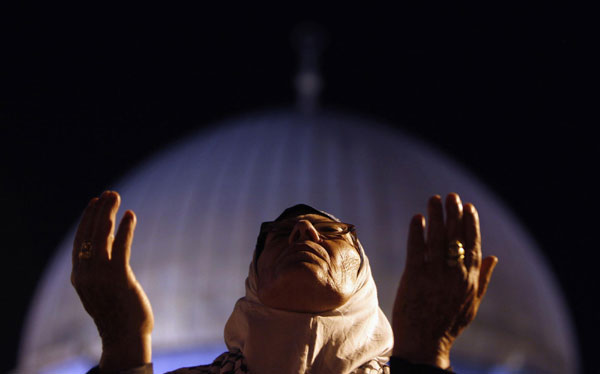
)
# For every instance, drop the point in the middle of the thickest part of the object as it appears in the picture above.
(304, 256)
(306, 249)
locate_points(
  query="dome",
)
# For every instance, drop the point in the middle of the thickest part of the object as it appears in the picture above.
(199, 204)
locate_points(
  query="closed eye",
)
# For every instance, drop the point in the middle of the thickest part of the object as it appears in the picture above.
(329, 229)
(280, 234)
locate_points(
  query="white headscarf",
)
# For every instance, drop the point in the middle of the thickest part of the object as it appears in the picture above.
(354, 338)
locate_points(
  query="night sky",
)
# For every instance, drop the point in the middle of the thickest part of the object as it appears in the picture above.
(86, 94)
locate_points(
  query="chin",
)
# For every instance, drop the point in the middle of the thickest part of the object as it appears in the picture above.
(304, 287)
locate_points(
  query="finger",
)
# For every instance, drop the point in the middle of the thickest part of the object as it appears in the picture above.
(415, 252)
(121, 251)
(84, 230)
(454, 216)
(472, 236)
(436, 234)
(487, 268)
(104, 225)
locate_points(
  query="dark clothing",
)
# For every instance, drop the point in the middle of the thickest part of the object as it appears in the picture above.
(396, 366)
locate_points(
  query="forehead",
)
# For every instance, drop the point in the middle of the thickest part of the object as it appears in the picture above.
(309, 217)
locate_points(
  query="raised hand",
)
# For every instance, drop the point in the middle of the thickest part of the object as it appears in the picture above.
(440, 290)
(107, 285)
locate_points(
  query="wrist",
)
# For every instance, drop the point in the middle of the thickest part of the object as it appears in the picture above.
(125, 352)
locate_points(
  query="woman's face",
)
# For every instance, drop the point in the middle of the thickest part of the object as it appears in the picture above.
(301, 271)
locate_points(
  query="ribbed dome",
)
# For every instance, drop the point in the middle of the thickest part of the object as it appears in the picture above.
(199, 205)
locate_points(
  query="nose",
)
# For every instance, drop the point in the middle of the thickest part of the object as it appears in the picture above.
(304, 230)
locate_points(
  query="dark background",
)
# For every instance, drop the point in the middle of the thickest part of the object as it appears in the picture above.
(88, 93)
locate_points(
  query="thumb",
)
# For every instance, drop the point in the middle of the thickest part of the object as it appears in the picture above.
(485, 274)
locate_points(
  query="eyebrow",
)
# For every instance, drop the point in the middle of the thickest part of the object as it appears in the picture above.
(312, 220)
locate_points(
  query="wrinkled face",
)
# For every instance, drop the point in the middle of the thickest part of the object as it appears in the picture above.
(304, 272)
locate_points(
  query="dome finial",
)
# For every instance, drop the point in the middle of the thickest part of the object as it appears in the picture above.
(308, 39)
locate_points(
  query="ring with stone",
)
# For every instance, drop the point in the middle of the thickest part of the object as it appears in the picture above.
(456, 253)
(85, 252)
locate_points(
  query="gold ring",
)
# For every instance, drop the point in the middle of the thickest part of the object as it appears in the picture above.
(85, 252)
(456, 253)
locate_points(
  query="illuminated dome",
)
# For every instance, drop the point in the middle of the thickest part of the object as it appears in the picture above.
(199, 205)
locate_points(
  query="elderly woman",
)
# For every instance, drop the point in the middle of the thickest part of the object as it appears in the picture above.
(311, 303)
